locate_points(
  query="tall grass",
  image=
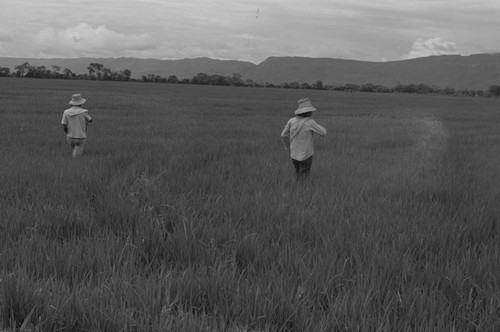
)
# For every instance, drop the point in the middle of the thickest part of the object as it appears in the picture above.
(184, 215)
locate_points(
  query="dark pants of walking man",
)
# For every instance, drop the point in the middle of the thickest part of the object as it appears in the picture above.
(302, 168)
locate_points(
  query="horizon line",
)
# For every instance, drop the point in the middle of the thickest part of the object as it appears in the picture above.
(247, 61)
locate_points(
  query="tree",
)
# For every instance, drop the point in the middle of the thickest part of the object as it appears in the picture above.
(349, 87)
(249, 82)
(154, 78)
(4, 72)
(21, 70)
(424, 88)
(449, 91)
(37, 72)
(95, 70)
(107, 74)
(236, 80)
(318, 85)
(55, 71)
(382, 89)
(173, 79)
(367, 87)
(126, 74)
(201, 78)
(494, 90)
(218, 80)
(68, 74)
(84, 76)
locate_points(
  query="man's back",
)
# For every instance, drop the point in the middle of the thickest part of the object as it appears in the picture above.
(301, 136)
(76, 119)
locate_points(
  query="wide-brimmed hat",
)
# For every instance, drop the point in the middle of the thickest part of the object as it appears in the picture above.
(77, 100)
(305, 106)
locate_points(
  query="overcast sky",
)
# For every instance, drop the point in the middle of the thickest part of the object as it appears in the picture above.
(251, 30)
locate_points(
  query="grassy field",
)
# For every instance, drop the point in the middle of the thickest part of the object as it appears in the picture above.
(184, 215)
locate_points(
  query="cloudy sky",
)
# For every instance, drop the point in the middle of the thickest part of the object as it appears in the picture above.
(251, 30)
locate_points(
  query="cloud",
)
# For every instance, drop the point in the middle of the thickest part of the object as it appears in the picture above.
(248, 29)
(432, 46)
(85, 40)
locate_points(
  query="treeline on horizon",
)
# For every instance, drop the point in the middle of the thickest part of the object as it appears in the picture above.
(98, 72)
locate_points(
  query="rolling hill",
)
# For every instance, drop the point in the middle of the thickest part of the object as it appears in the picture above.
(475, 72)
(459, 72)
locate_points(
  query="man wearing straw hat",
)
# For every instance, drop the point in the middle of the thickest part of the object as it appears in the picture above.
(74, 121)
(298, 137)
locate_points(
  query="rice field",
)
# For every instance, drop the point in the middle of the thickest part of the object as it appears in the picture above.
(184, 214)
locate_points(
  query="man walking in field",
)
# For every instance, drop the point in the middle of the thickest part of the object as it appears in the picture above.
(74, 121)
(298, 138)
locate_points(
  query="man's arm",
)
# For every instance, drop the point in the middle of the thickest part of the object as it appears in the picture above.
(285, 137)
(317, 128)
(64, 123)
(88, 120)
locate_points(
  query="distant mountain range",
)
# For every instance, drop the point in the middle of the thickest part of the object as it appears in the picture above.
(474, 72)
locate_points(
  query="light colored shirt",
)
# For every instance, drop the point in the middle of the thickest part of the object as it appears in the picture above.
(298, 133)
(76, 119)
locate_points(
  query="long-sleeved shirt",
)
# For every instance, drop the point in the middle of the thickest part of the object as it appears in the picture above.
(298, 133)
(76, 119)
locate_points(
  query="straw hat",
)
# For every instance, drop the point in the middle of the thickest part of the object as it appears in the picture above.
(77, 100)
(305, 106)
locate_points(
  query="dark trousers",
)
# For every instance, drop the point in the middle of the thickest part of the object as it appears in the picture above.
(302, 168)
